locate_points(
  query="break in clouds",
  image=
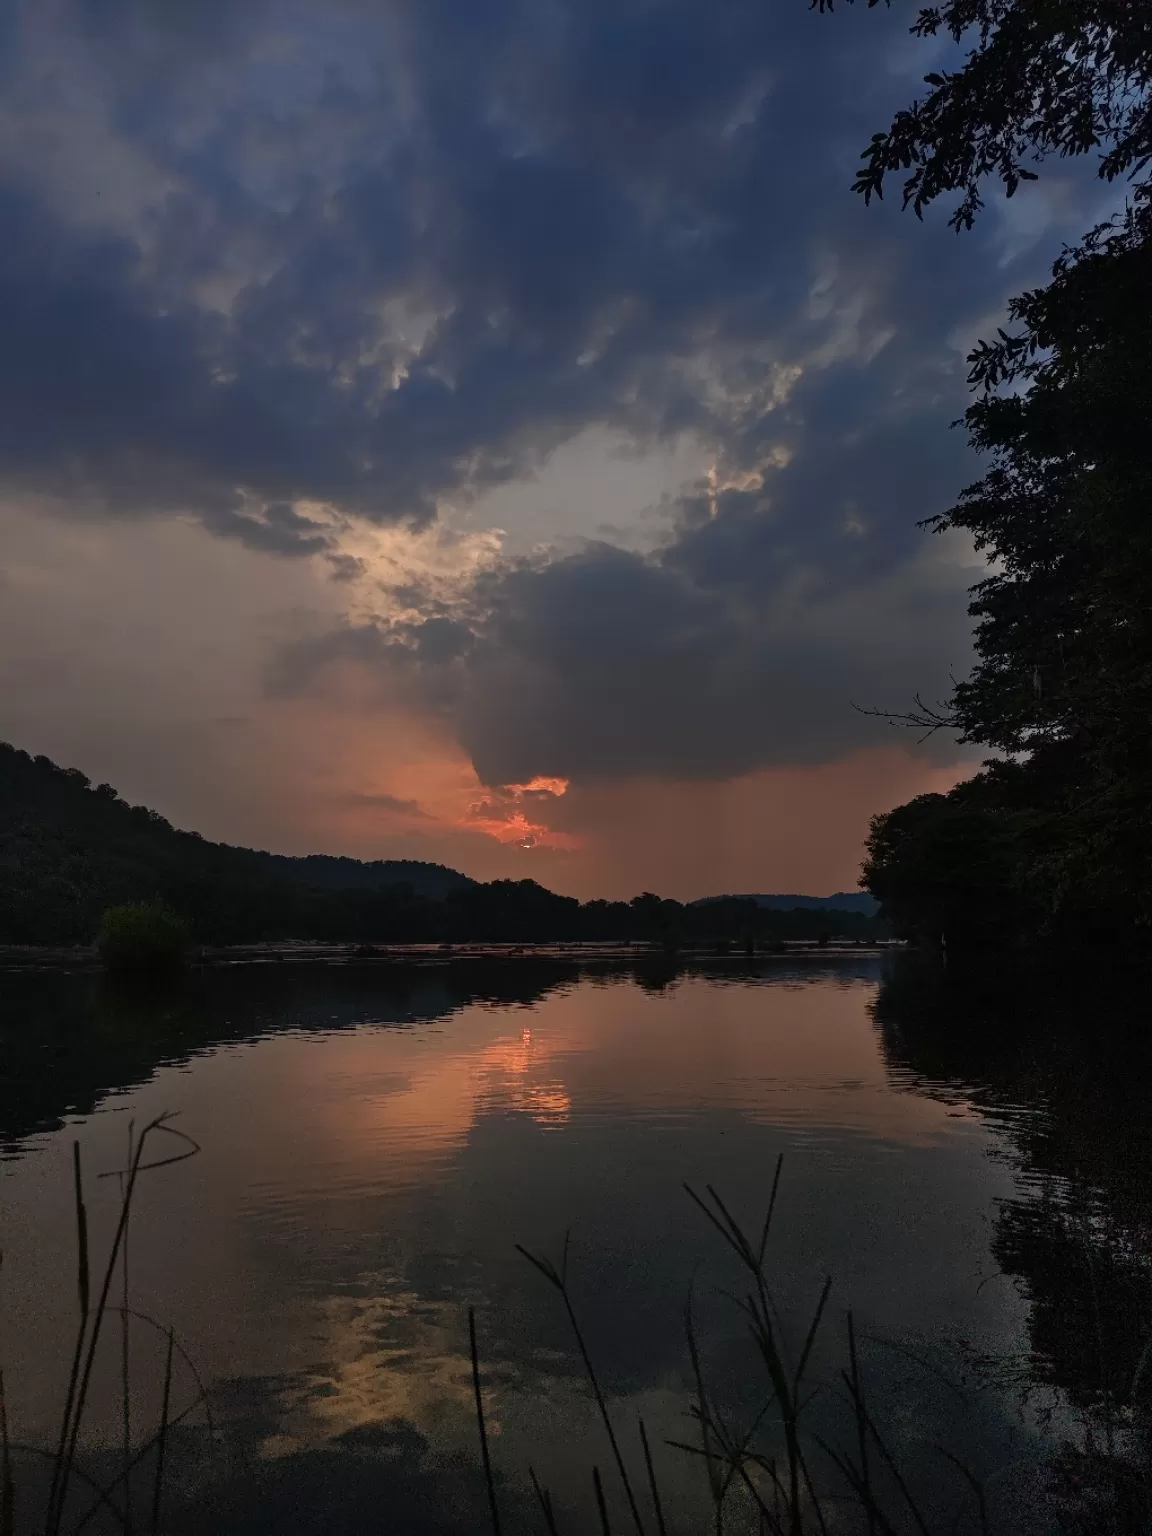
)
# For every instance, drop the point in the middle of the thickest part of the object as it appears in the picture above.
(289, 270)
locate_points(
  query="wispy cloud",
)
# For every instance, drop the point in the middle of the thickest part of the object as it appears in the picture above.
(390, 804)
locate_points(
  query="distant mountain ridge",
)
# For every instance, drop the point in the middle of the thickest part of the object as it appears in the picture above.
(840, 901)
(335, 872)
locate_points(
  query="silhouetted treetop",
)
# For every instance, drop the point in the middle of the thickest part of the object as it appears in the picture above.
(1041, 78)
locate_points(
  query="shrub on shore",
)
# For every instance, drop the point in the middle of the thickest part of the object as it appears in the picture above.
(143, 936)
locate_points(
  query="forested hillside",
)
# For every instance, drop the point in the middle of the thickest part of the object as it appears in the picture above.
(69, 850)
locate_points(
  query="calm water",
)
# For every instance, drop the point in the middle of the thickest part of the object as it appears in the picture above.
(376, 1141)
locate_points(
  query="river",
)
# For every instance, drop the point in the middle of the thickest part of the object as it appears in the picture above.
(966, 1156)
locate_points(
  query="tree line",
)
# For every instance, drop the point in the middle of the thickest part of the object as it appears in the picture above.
(1053, 838)
(70, 851)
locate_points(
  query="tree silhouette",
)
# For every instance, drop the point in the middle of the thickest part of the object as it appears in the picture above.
(1063, 680)
(1042, 78)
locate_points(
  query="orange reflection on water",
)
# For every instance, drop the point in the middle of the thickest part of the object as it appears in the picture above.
(353, 1176)
(428, 1110)
(799, 1054)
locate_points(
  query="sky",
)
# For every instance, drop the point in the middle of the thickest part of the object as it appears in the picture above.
(488, 431)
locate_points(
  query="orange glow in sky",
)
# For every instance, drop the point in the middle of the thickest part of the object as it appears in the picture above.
(541, 785)
(503, 810)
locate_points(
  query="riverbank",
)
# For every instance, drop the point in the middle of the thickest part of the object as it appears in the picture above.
(84, 957)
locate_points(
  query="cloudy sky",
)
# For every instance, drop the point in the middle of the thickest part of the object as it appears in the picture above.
(435, 427)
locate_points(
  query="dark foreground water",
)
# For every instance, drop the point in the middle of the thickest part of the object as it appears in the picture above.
(967, 1157)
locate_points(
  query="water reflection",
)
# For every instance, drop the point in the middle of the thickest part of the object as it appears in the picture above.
(68, 1039)
(377, 1140)
(1060, 1064)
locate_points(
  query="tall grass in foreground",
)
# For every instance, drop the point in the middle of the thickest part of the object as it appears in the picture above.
(73, 1496)
(780, 1488)
(771, 1475)
(778, 1469)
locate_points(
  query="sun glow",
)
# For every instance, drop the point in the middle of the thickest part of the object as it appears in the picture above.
(513, 813)
(541, 785)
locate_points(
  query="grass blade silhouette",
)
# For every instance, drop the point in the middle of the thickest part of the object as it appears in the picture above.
(544, 1499)
(489, 1480)
(861, 1427)
(716, 1485)
(602, 1508)
(78, 1389)
(771, 1209)
(973, 1482)
(862, 1490)
(83, 1287)
(558, 1278)
(811, 1338)
(103, 1497)
(653, 1486)
(887, 1457)
(83, 1279)
(7, 1486)
(760, 1310)
(125, 1355)
(104, 1492)
(161, 1440)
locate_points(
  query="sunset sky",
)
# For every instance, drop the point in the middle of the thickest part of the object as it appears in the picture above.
(488, 431)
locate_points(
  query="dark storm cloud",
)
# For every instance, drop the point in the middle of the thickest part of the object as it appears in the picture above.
(582, 203)
(610, 663)
(371, 256)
